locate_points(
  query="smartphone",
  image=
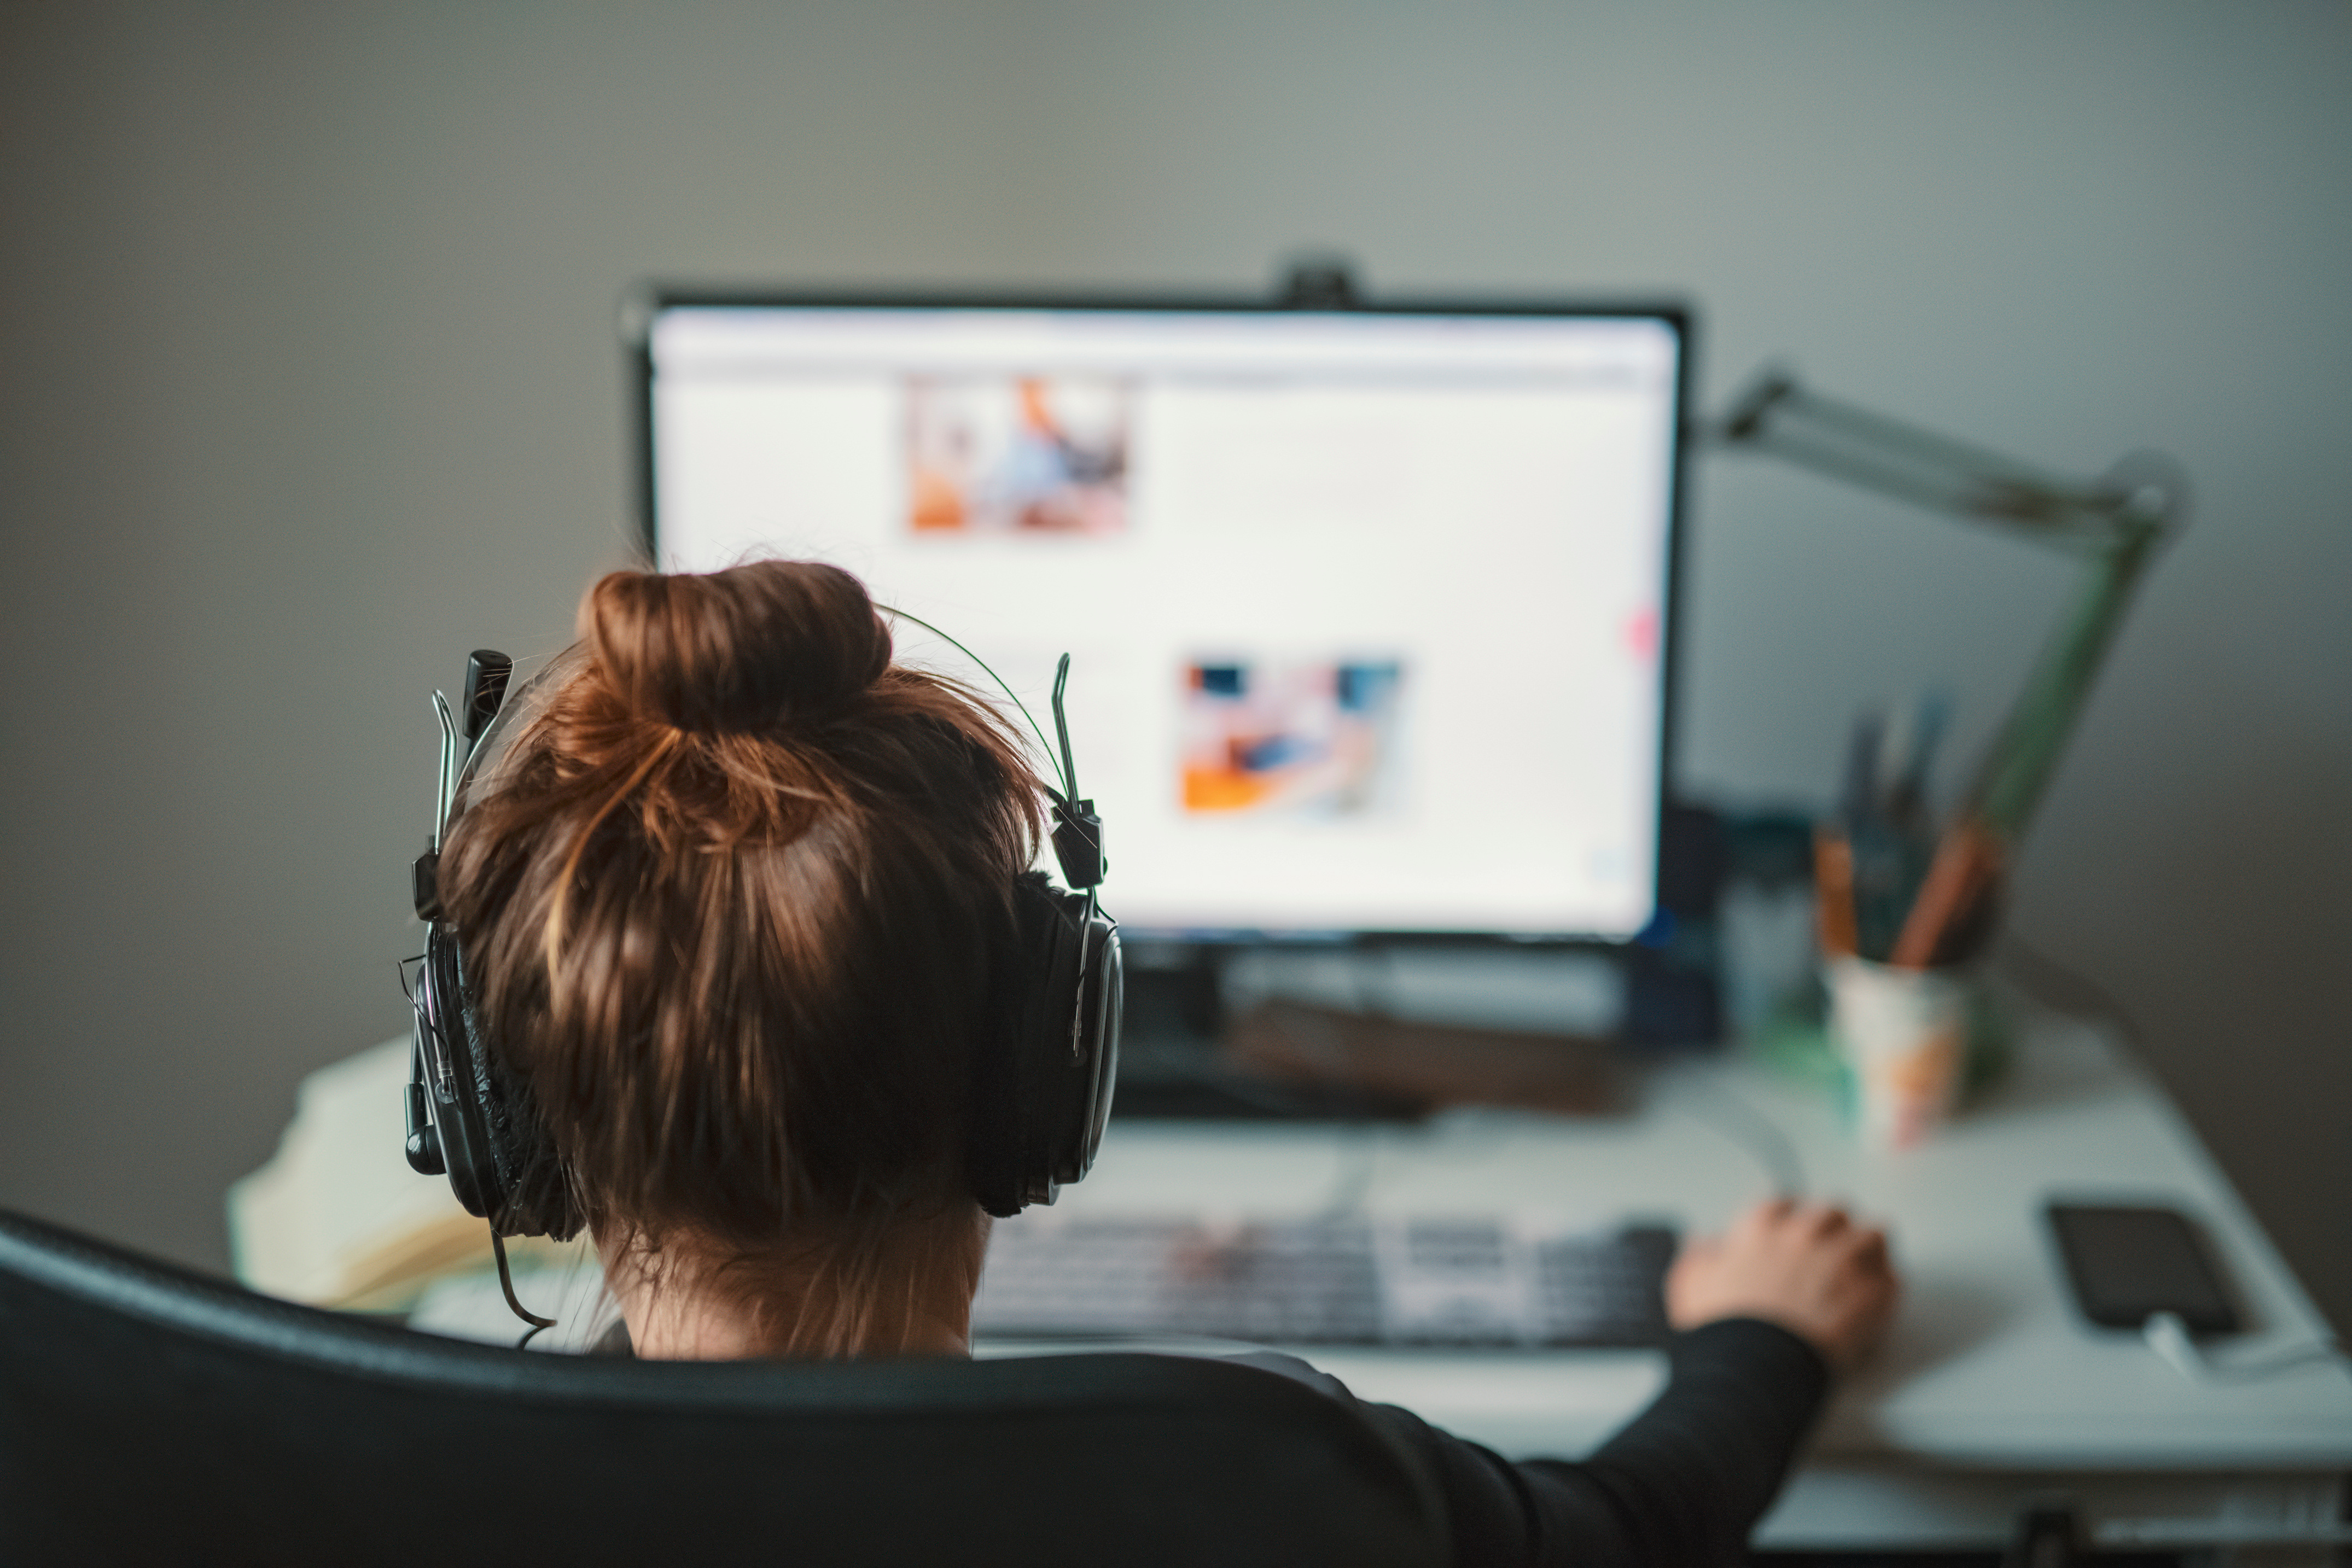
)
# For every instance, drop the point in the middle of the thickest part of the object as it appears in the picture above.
(2126, 1264)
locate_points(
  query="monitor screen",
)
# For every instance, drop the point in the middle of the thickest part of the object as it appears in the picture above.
(1368, 609)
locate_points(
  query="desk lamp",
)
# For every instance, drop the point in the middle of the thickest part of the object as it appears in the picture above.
(2112, 524)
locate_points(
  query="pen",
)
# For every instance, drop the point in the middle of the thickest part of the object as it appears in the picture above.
(1967, 865)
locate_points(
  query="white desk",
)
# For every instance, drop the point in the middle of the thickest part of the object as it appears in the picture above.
(1991, 1389)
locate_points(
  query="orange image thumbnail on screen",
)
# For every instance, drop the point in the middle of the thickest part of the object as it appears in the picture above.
(1217, 773)
(935, 501)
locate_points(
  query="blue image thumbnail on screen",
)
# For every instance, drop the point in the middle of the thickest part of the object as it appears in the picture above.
(1313, 738)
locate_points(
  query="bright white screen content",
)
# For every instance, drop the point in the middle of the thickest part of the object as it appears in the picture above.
(1366, 611)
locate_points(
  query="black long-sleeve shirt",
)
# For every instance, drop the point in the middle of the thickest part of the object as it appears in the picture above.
(1681, 1485)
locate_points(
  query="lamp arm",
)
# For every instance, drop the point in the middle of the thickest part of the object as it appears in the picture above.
(2115, 522)
(2017, 766)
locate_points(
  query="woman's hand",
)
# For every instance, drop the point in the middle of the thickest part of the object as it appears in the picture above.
(1807, 1267)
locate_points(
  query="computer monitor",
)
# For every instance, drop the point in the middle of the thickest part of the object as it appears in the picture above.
(1371, 610)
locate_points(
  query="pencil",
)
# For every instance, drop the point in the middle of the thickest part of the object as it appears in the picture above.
(1966, 864)
(1833, 890)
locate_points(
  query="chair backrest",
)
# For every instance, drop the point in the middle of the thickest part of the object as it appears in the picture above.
(148, 1414)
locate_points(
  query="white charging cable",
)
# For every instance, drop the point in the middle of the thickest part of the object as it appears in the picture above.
(2169, 1337)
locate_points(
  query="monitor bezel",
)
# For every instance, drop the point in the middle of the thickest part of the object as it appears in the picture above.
(645, 304)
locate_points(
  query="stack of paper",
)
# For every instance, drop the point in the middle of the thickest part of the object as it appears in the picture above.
(338, 1220)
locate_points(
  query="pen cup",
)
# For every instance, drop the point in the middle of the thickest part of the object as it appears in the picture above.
(1910, 1040)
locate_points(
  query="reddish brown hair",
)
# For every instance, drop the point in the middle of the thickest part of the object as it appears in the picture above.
(736, 907)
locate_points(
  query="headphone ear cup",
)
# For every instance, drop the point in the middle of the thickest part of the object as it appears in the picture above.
(456, 1112)
(503, 1165)
(1042, 1093)
(1097, 1007)
(1006, 1174)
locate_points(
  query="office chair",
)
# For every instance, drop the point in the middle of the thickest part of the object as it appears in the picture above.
(148, 1414)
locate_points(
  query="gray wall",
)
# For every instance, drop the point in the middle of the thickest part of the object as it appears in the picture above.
(306, 344)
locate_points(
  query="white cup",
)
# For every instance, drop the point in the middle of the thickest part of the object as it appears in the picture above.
(1904, 1036)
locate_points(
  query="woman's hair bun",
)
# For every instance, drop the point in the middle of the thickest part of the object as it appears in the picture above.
(743, 649)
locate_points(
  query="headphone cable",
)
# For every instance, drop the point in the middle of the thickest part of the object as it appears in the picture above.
(506, 1283)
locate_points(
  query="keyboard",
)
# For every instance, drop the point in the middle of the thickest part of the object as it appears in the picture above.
(1431, 1281)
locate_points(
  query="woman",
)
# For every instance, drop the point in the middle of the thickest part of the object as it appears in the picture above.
(737, 905)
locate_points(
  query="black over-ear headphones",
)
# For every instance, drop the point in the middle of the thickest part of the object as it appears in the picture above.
(1043, 1082)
